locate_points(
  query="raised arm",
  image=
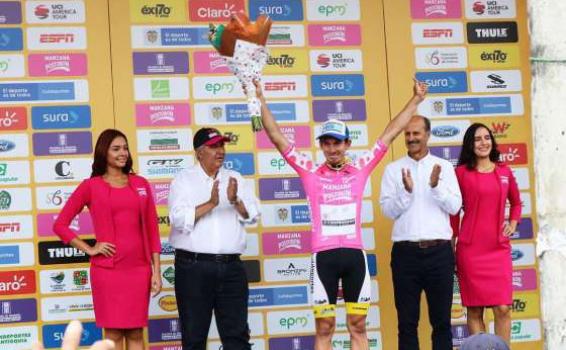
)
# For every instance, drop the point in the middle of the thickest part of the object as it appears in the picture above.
(397, 124)
(269, 123)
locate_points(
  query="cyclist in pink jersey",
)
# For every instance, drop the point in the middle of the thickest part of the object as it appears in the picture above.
(334, 191)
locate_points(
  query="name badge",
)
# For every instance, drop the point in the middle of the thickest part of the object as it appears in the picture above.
(338, 220)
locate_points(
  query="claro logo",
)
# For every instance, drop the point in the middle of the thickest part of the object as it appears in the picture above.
(17, 282)
(293, 322)
(207, 12)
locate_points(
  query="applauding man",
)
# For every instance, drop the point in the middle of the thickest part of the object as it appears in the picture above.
(419, 192)
(208, 207)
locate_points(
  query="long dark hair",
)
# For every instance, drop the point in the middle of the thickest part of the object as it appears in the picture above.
(467, 155)
(101, 152)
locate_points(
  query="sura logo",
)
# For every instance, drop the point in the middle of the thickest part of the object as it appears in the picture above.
(284, 10)
(446, 83)
(332, 10)
(70, 117)
(445, 131)
(216, 88)
(345, 85)
(293, 322)
(233, 164)
(159, 10)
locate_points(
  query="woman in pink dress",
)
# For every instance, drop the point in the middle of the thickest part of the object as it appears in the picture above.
(483, 250)
(125, 259)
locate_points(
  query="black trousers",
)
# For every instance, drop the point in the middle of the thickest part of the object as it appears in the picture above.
(416, 270)
(203, 286)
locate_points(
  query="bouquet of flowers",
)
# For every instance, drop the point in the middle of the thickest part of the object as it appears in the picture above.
(242, 44)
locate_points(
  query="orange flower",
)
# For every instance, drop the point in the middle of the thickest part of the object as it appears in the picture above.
(223, 38)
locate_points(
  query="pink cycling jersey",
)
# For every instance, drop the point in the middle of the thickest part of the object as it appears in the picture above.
(335, 197)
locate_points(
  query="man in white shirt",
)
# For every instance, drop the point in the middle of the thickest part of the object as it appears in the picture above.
(208, 208)
(419, 192)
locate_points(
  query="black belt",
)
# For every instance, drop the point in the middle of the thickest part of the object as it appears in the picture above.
(424, 243)
(225, 258)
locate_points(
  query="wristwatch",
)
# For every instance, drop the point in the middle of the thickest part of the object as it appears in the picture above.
(237, 201)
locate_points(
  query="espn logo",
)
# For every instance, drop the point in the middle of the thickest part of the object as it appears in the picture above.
(280, 86)
(57, 38)
(438, 33)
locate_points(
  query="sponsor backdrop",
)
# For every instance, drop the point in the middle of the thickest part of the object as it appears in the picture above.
(474, 55)
(328, 60)
(55, 98)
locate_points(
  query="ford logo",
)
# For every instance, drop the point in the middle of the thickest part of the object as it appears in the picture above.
(167, 249)
(6, 145)
(516, 255)
(445, 131)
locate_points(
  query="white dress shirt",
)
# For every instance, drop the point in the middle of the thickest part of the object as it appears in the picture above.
(220, 231)
(422, 214)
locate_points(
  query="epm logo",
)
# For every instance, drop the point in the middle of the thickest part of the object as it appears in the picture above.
(333, 10)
